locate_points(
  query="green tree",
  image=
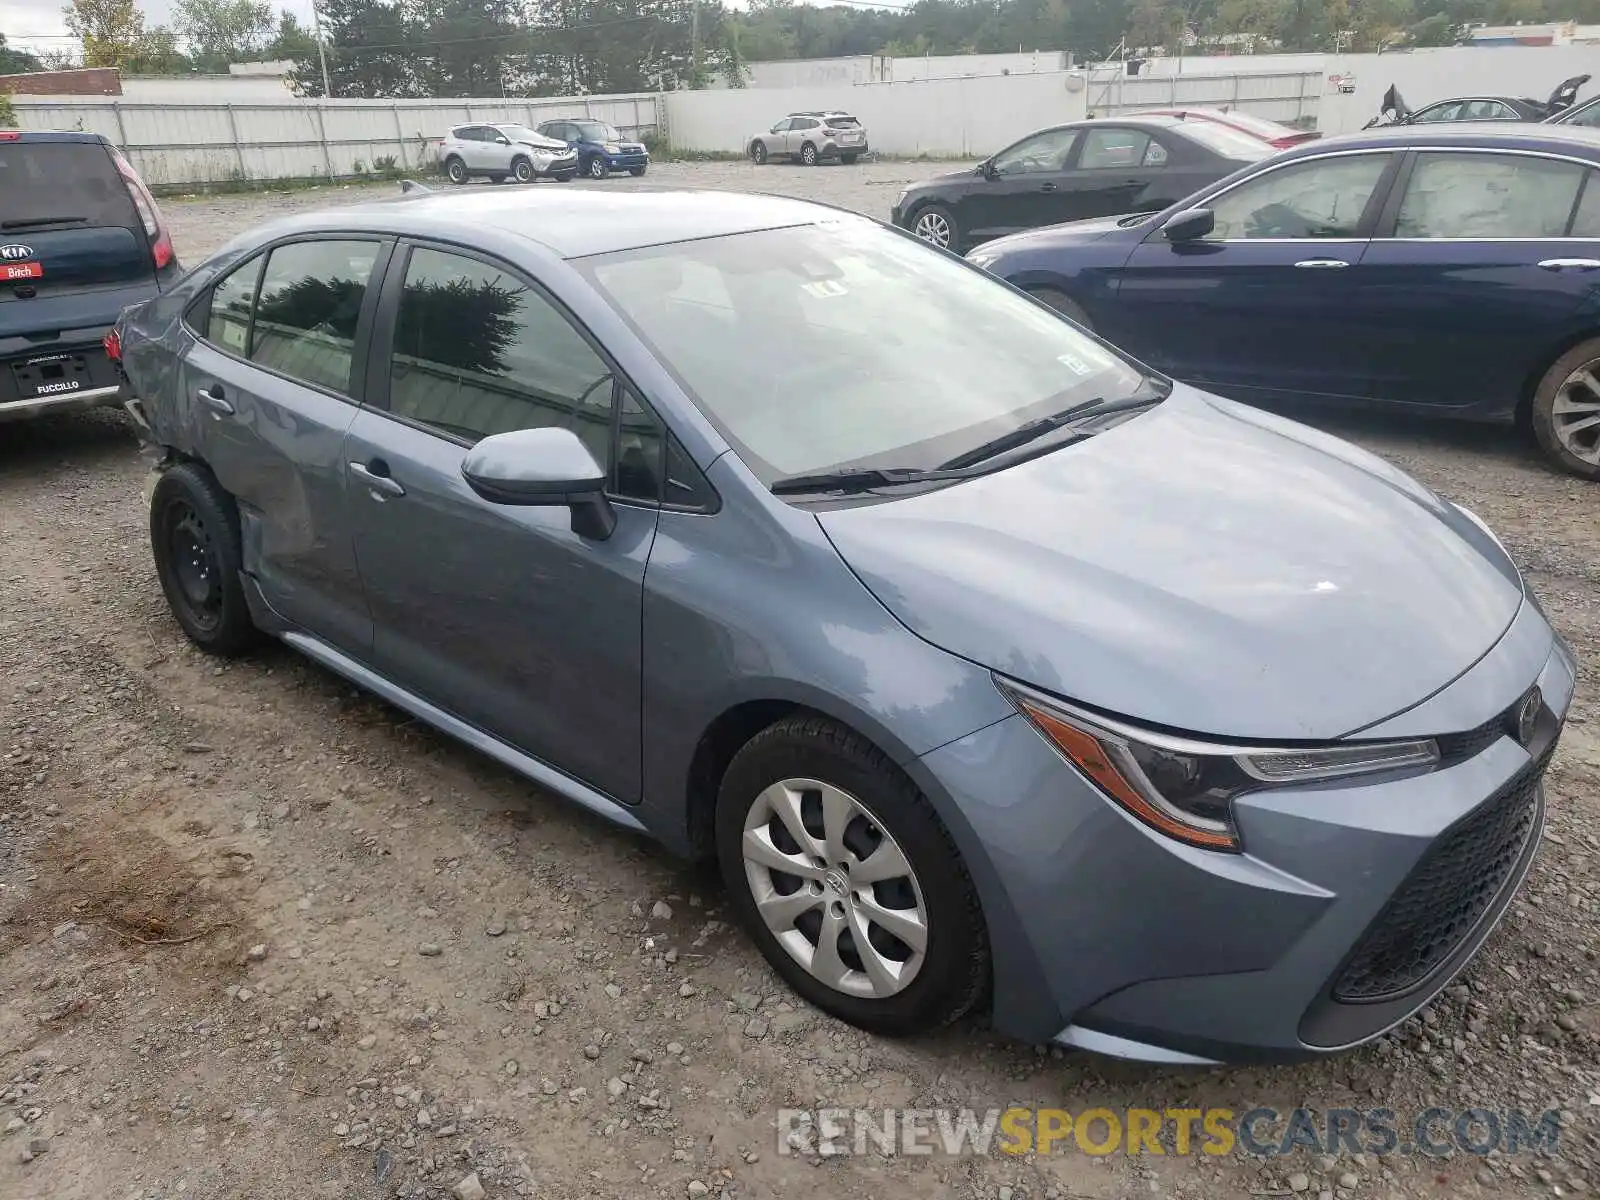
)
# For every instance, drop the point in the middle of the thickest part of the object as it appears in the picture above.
(156, 53)
(292, 40)
(219, 32)
(16, 62)
(110, 30)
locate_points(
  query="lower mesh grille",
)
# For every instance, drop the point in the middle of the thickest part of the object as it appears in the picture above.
(1445, 895)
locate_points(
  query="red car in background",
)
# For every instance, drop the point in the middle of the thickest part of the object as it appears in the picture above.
(1279, 137)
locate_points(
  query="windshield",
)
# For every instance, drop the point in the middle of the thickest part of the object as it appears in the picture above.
(598, 131)
(1228, 141)
(846, 344)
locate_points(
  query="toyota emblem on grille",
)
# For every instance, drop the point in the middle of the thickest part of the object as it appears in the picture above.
(1528, 715)
(15, 252)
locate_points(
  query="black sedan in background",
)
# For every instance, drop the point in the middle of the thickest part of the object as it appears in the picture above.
(1071, 172)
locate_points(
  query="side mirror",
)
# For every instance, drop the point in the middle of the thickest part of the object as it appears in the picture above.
(1190, 225)
(986, 169)
(543, 468)
(503, 140)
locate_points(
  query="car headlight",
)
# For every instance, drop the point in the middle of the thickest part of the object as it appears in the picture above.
(979, 259)
(901, 198)
(1185, 787)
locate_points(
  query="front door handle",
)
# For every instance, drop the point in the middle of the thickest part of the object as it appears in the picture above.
(1322, 264)
(1571, 264)
(377, 478)
(1047, 187)
(213, 399)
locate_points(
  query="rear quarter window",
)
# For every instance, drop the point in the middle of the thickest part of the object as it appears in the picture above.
(71, 182)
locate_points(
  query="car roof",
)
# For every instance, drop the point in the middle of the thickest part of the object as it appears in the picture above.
(820, 112)
(1488, 135)
(51, 135)
(574, 224)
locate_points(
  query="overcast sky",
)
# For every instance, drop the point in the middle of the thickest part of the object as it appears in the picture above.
(37, 24)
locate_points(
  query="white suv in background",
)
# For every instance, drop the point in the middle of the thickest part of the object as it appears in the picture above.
(505, 152)
(810, 137)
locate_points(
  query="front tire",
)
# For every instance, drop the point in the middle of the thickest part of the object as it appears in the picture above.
(758, 154)
(1565, 411)
(455, 170)
(597, 168)
(522, 171)
(937, 224)
(1063, 304)
(565, 177)
(636, 172)
(194, 536)
(808, 155)
(847, 880)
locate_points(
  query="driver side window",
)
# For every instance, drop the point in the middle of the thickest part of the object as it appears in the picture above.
(478, 352)
(1321, 198)
(1040, 154)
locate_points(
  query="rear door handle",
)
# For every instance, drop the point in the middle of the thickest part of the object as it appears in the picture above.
(1571, 264)
(1047, 187)
(375, 475)
(213, 399)
(1321, 264)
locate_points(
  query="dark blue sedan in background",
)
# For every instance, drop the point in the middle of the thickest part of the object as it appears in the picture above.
(1453, 271)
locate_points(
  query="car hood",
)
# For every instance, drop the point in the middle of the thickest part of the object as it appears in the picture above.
(543, 143)
(1204, 567)
(1070, 234)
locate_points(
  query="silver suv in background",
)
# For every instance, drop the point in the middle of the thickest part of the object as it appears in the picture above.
(810, 137)
(505, 152)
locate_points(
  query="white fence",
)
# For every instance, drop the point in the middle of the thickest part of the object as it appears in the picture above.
(175, 145)
(885, 68)
(945, 117)
(1290, 97)
(1428, 75)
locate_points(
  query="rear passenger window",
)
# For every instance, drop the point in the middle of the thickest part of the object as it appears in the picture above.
(1488, 196)
(478, 352)
(1586, 222)
(226, 319)
(311, 297)
(1108, 148)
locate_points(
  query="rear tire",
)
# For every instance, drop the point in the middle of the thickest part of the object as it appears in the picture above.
(873, 813)
(758, 153)
(1565, 411)
(848, 159)
(194, 536)
(455, 170)
(808, 155)
(522, 170)
(1063, 304)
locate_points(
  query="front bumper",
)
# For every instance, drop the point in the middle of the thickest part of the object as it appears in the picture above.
(566, 164)
(627, 160)
(1108, 936)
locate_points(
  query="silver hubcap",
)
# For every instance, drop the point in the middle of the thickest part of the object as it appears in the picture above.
(835, 888)
(932, 227)
(809, 155)
(1576, 413)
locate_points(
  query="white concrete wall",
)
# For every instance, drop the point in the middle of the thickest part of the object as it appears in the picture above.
(175, 144)
(882, 68)
(1424, 76)
(965, 117)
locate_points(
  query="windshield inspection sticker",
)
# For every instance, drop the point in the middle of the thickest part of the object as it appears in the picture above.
(1087, 360)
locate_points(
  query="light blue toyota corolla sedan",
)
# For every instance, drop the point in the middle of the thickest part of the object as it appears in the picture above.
(992, 667)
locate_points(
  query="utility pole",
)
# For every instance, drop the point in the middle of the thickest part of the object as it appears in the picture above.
(694, 43)
(322, 56)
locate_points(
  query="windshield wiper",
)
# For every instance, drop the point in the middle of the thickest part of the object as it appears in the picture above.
(30, 222)
(854, 479)
(1032, 431)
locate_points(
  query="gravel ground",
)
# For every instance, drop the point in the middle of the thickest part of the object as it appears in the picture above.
(263, 936)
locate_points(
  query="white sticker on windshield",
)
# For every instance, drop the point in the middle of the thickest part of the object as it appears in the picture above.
(1087, 361)
(823, 288)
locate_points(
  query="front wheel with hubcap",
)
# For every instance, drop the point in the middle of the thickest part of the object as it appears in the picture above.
(808, 155)
(848, 881)
(194, 537)
(1566, 410)
(522, 171)
(597, 168)
(936, 224)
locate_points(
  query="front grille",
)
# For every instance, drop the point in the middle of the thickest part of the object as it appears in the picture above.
(1445, 895)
